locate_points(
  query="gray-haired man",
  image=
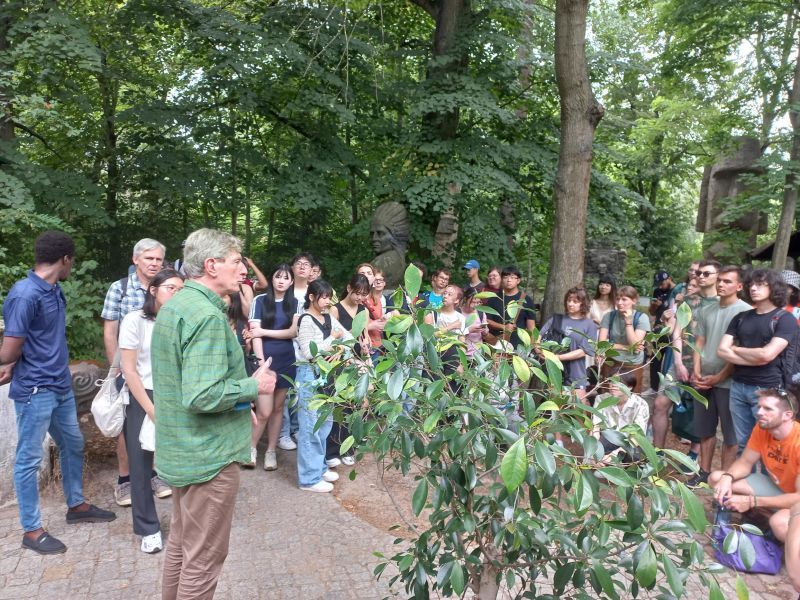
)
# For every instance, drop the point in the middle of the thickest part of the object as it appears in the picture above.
(124, 296)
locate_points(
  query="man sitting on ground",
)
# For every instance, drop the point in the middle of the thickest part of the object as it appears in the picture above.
(775, 441)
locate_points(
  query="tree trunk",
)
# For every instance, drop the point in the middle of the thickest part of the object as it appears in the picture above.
(448, 59)
(781, 248)
(580, 114)
(108, 93)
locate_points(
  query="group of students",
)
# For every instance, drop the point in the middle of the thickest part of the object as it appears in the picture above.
(294, 314)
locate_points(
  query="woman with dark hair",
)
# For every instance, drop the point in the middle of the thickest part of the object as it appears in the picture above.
(576, 325)
(135, 333)
(273, 326)
(352, 303)
(604, 298)
(323, 330)
(625, 327)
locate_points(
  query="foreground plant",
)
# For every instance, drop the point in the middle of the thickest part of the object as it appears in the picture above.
(506, 506)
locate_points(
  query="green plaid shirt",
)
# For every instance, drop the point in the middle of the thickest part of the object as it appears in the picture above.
(202, 392)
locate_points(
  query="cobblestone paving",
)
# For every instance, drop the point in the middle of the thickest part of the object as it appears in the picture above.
(286, 544)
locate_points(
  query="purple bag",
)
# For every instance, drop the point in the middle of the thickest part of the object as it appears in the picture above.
(767, 555)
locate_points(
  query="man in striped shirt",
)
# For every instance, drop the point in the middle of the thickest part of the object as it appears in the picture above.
(202, 401)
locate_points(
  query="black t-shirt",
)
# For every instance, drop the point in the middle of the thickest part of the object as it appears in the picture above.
(527, 310)
(752, 330)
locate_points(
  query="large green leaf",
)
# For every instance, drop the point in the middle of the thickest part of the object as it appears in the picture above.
(646, 568)
(457, 578)
(359, 323)
(694, 508)
(746, 551)
(514, 465)
(521, 369)
(584, 494)
(395, 386)
(544, 458)
(742, 593)
(413, 280)
(420, 496)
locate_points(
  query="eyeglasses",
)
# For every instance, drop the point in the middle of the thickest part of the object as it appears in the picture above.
(379, 280)
(302, 263)
(786, 396)
(705, 273)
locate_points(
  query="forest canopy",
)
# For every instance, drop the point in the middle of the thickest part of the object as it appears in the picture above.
(288, 122)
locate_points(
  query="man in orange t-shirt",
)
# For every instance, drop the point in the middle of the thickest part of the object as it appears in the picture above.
(775, 441)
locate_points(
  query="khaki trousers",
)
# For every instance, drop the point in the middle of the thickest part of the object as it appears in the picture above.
(199, 536)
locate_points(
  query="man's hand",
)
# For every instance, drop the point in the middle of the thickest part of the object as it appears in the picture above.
(739, 503)
(5, 372)
(337, 334)
(722, 491)
(266, 377)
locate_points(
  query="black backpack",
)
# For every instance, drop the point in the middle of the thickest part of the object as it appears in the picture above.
(326, 328)
(556, 332)
(790, 357)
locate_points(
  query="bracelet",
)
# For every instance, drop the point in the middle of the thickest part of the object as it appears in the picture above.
(755, 501)
(628, 323)
(728, 474)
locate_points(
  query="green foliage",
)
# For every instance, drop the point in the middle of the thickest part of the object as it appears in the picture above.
(84, 329)
(504, 503)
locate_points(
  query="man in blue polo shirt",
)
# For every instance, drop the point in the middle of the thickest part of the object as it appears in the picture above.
(34, 357)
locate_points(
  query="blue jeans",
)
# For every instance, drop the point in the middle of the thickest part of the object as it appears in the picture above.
(289, 425)
(311, 445)
(37, 414)
(743, 406)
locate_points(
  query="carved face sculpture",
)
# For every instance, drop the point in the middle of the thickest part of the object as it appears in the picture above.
(381, 238)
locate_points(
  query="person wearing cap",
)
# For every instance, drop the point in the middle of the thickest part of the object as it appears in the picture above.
(472, 268)
(792, 279)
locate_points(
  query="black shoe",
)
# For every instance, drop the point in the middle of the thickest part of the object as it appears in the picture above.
(44, 544)
(700, 477)
(92, 515)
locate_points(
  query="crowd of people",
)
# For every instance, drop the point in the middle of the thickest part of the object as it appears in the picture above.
(215, 353)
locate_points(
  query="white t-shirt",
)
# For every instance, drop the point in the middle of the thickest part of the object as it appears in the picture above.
(135, 333)
(444, 319)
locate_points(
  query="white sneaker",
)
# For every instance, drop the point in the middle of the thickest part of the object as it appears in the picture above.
(348, 461)
(321, 487)
(287, 443)
(333, 463)
(270, 461)
(253, 457)
(152, 543)
(330, 476)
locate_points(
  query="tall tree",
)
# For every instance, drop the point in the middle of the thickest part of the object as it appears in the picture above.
(580, 115)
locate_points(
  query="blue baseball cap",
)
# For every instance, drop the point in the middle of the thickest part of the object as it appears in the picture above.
(472, 264)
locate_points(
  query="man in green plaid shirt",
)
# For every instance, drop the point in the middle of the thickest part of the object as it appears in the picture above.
(202, 397)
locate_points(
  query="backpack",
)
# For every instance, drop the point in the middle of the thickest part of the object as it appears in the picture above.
(790, 357)
(326, 328)
(556, 332)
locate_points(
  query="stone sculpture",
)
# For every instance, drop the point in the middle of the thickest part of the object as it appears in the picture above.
(389, 232)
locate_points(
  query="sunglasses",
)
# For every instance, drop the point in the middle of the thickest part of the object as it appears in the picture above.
(705, 273)
(788, 397)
